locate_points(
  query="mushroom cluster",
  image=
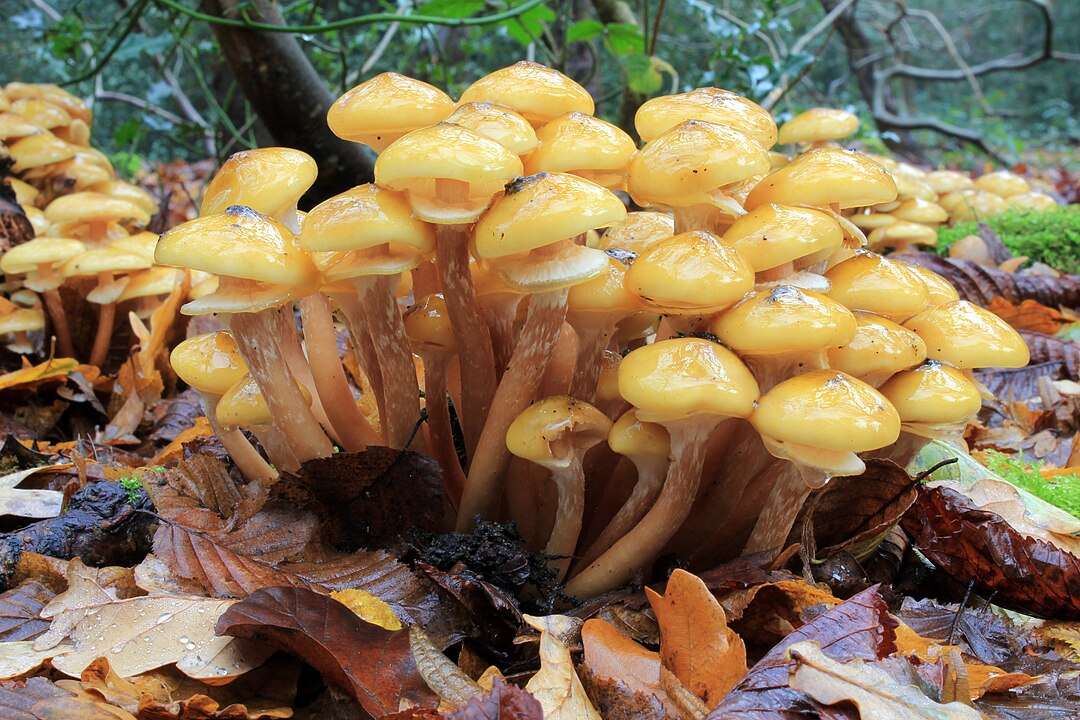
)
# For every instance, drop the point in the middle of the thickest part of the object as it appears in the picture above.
(87, 235)
(675, 380)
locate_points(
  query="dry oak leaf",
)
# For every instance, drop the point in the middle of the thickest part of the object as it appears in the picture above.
(1028, 315)
(556, 685)
(628, 672)
(372, 664)
(878, 695)
(696, 643)
(39, 699)
(504, 702)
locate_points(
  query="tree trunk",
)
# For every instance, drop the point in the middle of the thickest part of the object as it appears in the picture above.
(289, 96)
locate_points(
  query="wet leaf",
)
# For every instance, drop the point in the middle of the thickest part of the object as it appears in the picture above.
(39, 699)
(980, 284)
(556, 685)
(493, 610)
(1028, 315)
(19, 657)
(623, 676)
(1046, 349)
(973, 544)
(372, 664)
(441, 674)
(31, 374)
(368, 608)
(20, 610)
(696, 643)
(504, 702)
(877, 693)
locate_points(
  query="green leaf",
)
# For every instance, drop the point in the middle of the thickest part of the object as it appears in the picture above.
(126, 132)
(642, 76)
(529, 26)
(584, 30)
(623, 39)
(451, 8)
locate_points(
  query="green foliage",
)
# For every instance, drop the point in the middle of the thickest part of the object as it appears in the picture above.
(1049, 237)
(1062, 491)
(133, 488)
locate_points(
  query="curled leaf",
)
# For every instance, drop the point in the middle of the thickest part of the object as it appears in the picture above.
(556, 685)
(441, 674)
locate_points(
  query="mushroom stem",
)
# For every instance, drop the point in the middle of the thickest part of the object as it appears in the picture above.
(277, 449)
(636, 550)
(247, 459)
(570, 482)
(560, 370)
(470, 331)
(293, 352)
(500, 312)
(257, 336)
(775, 274)
(99, 352)
(698, 217)
(425, 279)
(436, 365)
(778, 516)
(328, 375)
(55, 307)
(401, 391)
(771, 370)
(364, 350)
(483, 486)
(593, 335)
(650, 480)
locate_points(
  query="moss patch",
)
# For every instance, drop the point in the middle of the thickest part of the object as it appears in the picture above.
(1062, 491)
(1049, 237)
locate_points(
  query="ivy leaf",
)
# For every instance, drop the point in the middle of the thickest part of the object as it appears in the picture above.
(528, 26)
(642, 75)
(623, 39)
(584, 30)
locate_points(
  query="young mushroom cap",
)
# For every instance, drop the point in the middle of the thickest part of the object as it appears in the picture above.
(932, 394)
(157, 280)
(872, 220)
(632, 436)
(784, 319)
(946, 181)
(84, 207)
(583, 145)
(552, 431)
(1002, 183)
(536, 92)
(38, 259)
(37, 150)
(902, 234)
(126, 191)
(879, 285)
(380, 110)
(939, 290)
(105, 261)
(817, 125)
(243, 404)
(922, 211)
(496, 122)
(774, 235)
(14, 126)
(714, 105)
(211, 363)
(417, 162)
(825, 176)
(269, 180)
(606, 293)
(878, 349)
(641, 231)
(1032, 201)
(967, 336)
(428, 325)
(690, 273)
(54, 94)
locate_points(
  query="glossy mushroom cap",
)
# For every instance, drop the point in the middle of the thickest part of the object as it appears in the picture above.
(537, 93)
(723, 107)
(42, 149)
(967, 336)
(872, 220)
(367, 230)
(14, 126)
(939, 290)
(105, 261)
(157, 280)
(678, 378)
(641, 231)
(1002, 183)
(901, 234)
(243, 404)
(689, 163)
(418, 161)
(784, 319)
(690, 273)
(817, 125)
(631, 436)
(553, 431)
(773, 235)
(380, 110)
(1032, 201)
(496, 122)
(37, 255)
(605, 293)
(210, 363)
(84, 207)
(428, 325)
(126, 191)
(583, 145)
(921, 211)
(932, 394)
(56, 95)
(946, 181)
(825, 176)
(879, 285)
(269, 180)
(878, 349)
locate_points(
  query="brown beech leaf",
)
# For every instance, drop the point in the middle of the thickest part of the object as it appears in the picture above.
(373, 665)
(39, 699)
(1018, 384)
(556, 685)
(20, 610)
(504, 702)
(980, 284)
(696, 643)
(860, 627)
(970, 543)
(493, 610)
(623, 675)
(1046, 348)
(1028, 315)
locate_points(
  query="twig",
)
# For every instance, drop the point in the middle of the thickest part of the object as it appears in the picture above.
(141, 104)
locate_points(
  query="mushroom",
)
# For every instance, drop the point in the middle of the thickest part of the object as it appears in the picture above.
(1002, 183)
(244, 405)
(902, 236)
(641, 231)
(498, 123)
(1040, 202)
(380, 110)
(126, 191)
(934, 401)
(879, 285)
(18, 322)
(92, 217)
(41, 260)
(947, 181)
(723, 107)
(147, 287)
(817, 126)
(538, 93)
(775, 239)
(690, 386)
(878, 349)
(42, 148)
(555, 433)
(918, 210)
(583, 145)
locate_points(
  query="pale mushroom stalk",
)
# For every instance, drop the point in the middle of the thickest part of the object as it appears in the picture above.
(570, 482)
(538, 338)
(560, 370)
(651, 472)
(499, 313)
(364, 349)
(707, 217)
(593, 337)
(328, 375)
(293, 352)
(109, 287)
(436, 366)
(473, 337)
(277, 448)
(55, 307)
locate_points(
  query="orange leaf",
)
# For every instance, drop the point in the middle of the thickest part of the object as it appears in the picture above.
(1028, 315)
(696, 643)
(48, 370)
(175, 449)
(610, 655)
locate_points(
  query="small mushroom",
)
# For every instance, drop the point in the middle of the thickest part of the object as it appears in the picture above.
(538, 93)
(42, 260)
(818, 126)
(710, 104)
(778, 240)
(583, 145)
(878, 349)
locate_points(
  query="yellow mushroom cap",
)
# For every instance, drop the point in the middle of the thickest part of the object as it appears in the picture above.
(933, 394)
(269, 180)
(879, 285)
(879, 347)
(920, 211)
(496, 122)
(641, 231)
(584, 145)
(13, 125)
(36, 216)
(682, 377)
(158, 280)
(104, 260)
(41, 112)
(827, 409)
(1002, 183)
(872, 220)
(784, 319)
(902, 232)
(80, 172)
(967, 336)
(537, 93)
(42, 149)
(243, 404)
(126, 191)
(715, 105)
(605, 293)
(40, 251)
(428, 324)
(947, 181)
(692, 272)
(824, 176)
(607, 385)
(141, 243)
(690, 161)
(1032, 201)
(380, 110)
(553, 431)
(22, 320)
(92, 207)
(418, 161)
(25, 194)
(975, 204)
(818, 124)
(56, 95)
(630, 436)
(939, 290)
(210, 363)
(776, 234)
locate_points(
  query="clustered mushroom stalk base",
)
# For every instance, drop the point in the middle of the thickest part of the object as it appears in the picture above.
(401, 391)
(570, 483)
(471, 333)
(440, 431)
(277, 449)
(483, 486)
(363, 349)
(257, 338)
(593, 337)
(637, 549)
(55, 307)
(651, 472)
(246, 458)
(293, 352)
(328, 374)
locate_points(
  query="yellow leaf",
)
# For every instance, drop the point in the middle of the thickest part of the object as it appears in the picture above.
(556, 685)
(368, 608)
(19, 657)
(48, 370)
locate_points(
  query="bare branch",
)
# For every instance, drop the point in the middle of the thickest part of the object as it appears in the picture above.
(141, 104)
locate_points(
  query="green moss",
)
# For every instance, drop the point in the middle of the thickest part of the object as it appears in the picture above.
(1049, 237)
(133, 488)
(1062, 491)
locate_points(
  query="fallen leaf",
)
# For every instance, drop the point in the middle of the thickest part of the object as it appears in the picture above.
(20, 610)
(174, 451)
(31, 374)
(504, 702)
(1028, 315)
(1045, 348)
(493, 610)
(977, 631)
(878, 694)
(556, 685)
(624, 674)
(453, 686)
(368, 608)
(696, 644)
(980, 285)
(39, 699)
(372, 664)
(35, 504)
(19, 657)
